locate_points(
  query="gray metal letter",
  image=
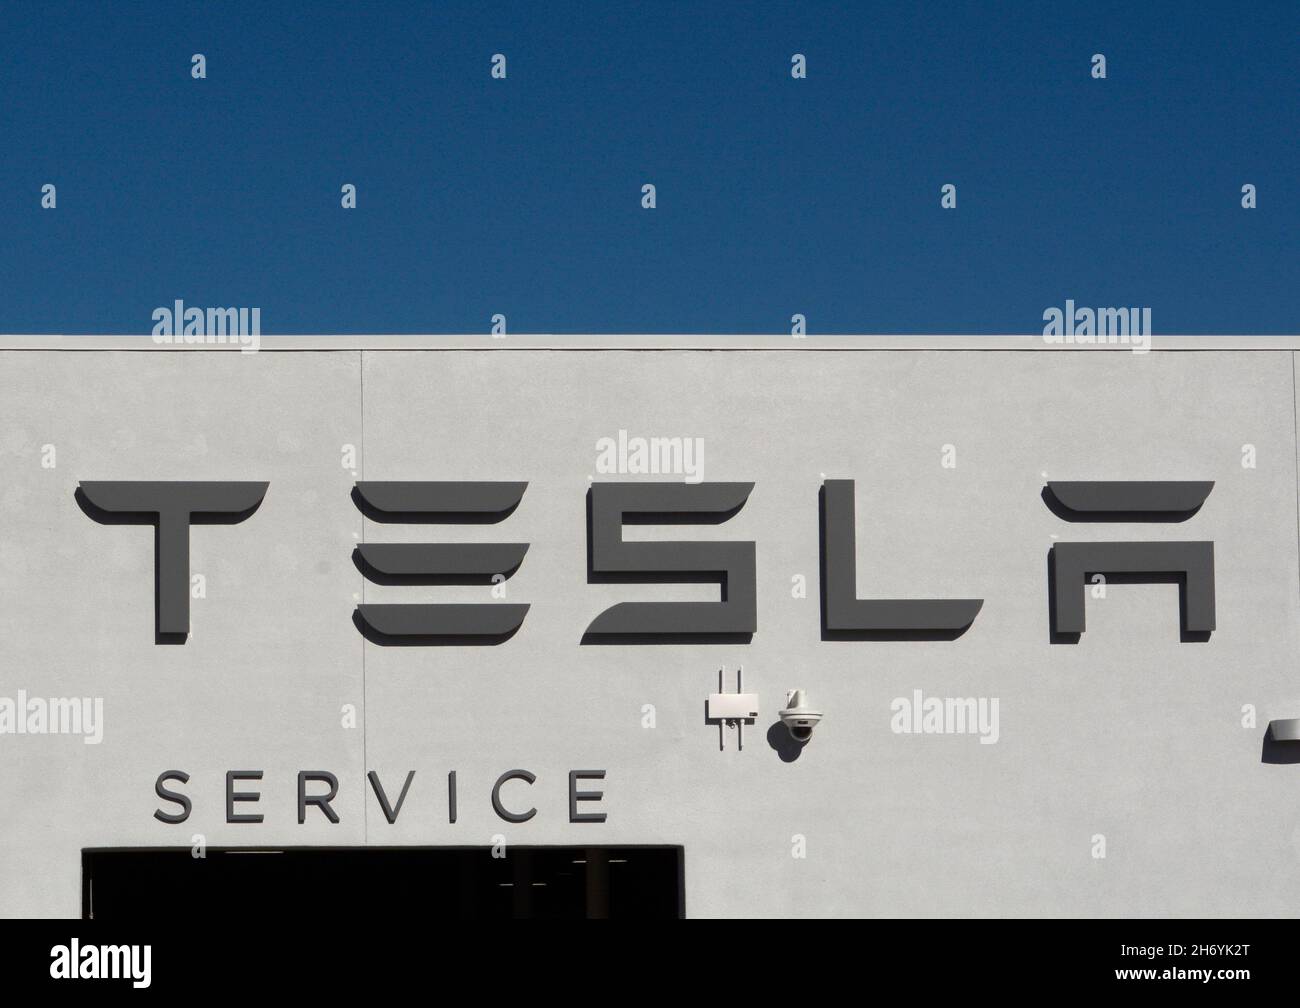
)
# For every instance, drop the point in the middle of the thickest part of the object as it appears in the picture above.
(844, 611)
(1075, 561)
(173, 796)
(576, 796)
(1101, 500)
(172, 506)
(501, 810)
(232, 796)
(731, 563)
(320, 801)
(441, 563)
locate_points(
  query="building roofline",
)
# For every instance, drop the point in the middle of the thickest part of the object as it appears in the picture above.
(545, 341)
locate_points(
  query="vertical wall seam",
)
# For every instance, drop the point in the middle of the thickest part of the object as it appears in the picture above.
(1295, 460)
(365, 705)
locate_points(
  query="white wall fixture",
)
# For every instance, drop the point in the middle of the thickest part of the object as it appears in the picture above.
(732, 709)
(798, 717)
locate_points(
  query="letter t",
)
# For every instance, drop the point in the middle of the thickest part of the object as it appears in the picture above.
(172, 507)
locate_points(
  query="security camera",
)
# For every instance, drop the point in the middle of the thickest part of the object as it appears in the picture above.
(798, 717)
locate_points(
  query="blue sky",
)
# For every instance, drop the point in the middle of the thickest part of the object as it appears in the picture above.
(775, 196)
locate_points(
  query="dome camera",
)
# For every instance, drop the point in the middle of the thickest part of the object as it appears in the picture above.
(798, 717)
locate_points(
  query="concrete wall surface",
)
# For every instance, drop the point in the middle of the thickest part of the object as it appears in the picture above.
(1131, 733)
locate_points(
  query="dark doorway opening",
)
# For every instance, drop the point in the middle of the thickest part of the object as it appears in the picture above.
(445, 882)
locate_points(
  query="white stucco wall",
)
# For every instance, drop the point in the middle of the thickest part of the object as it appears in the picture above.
(1129, 733)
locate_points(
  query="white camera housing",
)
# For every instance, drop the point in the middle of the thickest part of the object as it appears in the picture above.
(798, 718)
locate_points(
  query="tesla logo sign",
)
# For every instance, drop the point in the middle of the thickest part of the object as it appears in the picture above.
(172, 507)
